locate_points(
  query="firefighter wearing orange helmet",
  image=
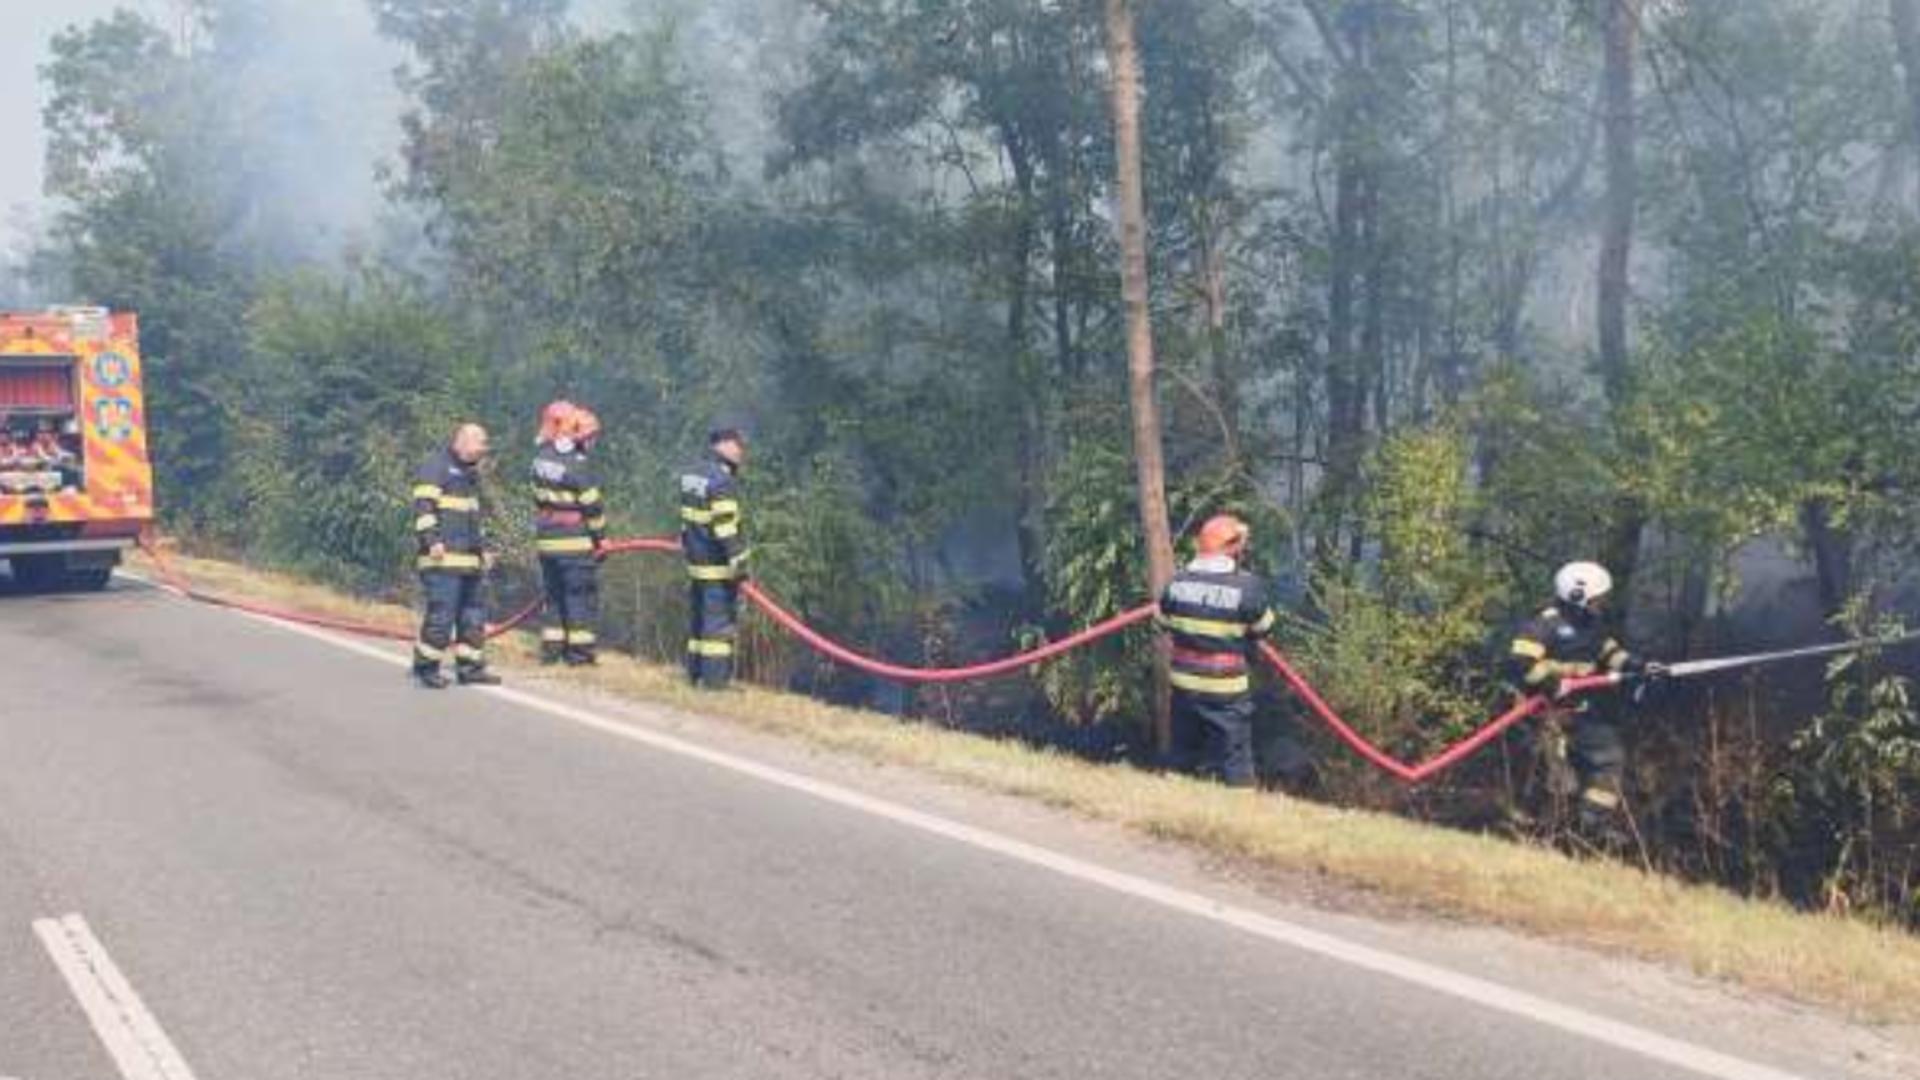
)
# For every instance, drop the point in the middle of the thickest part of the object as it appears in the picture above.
(1215, 612)
(570, 523)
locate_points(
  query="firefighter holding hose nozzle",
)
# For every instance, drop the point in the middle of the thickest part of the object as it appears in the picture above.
(570, 533)
(1569, 640)
(1215, 612)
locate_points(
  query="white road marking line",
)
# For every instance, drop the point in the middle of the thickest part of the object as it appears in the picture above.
(129, 1032)
(1518, 1003)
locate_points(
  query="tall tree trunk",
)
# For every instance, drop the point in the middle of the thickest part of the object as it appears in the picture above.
(1347, 359)
(1030, 437)
(1345, 396)
(1123, 59)
(1620, 24)
(1213, 291)
(1832, 549)
(1906, 39)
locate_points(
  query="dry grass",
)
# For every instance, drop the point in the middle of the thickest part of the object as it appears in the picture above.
(1872, 973)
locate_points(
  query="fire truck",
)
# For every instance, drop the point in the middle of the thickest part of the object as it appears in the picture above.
(76, 485)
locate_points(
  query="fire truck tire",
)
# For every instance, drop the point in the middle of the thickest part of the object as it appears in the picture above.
(37, 573)
(92, 579)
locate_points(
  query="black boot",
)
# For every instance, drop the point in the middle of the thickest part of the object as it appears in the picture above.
(430, 678)
(477, 675)
(552, 652)
(581, 658)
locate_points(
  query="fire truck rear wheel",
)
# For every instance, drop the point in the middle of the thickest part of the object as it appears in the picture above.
(37, 573)
(90, 580)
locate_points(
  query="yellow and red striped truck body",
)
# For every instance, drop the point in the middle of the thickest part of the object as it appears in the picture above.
(76, 484)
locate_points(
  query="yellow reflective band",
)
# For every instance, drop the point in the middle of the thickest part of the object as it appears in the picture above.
(589, 496)
(1265, 622)
(564, 545)
(554, 495)
(710, 573)
(1529, 648)
(1204, 627)
(1212, 684)
(726, 530)
(427, 652)
(1614, 656)
(425, 522)
(699, 647)
(582, 637)
(452, 560)
(740, 558)
(696, 516)
(459, 503)
(1540, 672)
(553, 634)
(464, 651)
(726, 506)
(426, 491)
(1601, 797)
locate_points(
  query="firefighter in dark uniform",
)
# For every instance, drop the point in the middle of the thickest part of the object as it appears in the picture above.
(1215, 613)
(452, 562)
(716, 554)
(1569, 640)
(570, 525)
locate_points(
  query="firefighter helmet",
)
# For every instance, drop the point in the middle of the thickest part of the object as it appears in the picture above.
(581, 425)
(1223, 534)
(1582, 583)
(555, 419)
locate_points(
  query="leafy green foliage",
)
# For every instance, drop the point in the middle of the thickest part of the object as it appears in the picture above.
(1844, 805)
(1371, 228)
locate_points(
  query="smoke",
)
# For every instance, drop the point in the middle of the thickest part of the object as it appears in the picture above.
(739, 53)
(312, 79)
(326, 115)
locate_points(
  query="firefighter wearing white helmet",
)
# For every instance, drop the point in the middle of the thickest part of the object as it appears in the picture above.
(1568, 640)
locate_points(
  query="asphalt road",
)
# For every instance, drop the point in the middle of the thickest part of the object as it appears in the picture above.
(305, 868)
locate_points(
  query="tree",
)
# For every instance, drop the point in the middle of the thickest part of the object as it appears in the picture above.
(1906, 39)
(1619, 31)
(1131, 220)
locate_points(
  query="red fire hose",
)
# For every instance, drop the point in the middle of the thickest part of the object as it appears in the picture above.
(1410, 774)
(173, 579)
(833, 650)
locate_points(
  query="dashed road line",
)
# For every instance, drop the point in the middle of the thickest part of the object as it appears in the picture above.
(132, 1037)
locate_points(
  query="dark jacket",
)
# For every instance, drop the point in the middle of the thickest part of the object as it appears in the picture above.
(446, 510)
(569, 514)
(1561, 642)
(710, 521)
(1214, 613)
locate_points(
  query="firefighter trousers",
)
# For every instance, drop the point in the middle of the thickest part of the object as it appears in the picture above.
(1213, 735)
(1599, 759)
(573, 608)
(712, 607)
(455, 620)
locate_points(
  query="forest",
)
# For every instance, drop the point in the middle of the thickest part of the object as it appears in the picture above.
(1010, 294)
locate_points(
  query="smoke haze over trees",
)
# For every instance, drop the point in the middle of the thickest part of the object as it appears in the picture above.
(1442, 293)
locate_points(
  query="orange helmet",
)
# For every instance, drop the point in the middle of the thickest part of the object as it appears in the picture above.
(1223, 534)
(555, 419)
(581, 425)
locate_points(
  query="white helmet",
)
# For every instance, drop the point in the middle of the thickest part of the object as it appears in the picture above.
(1581, 583)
